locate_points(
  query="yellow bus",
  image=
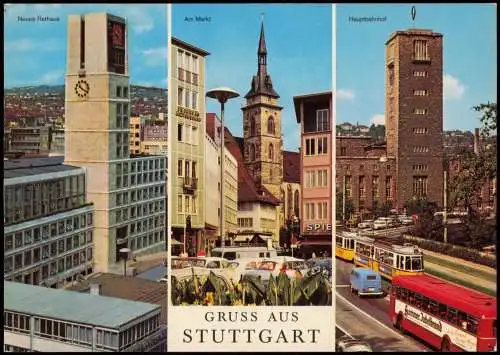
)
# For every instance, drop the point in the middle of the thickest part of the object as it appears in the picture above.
(345, 245)
(388, 259)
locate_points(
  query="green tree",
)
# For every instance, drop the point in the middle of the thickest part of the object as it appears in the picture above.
(382, 209)
(426, 226)
(349, 207)
(475, 170)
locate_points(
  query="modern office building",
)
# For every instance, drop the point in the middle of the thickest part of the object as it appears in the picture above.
(313, 113)
(128, 191)
(409, 164)
(40, 319)
(34, 140)
(48, 223)
(212, 184)
(187, 143)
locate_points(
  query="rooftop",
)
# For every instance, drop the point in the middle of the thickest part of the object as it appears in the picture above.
(127, 288)
(35, 166)
(179, 43)
(72, 306)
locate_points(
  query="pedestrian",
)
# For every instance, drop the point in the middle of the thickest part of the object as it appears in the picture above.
(314, 255)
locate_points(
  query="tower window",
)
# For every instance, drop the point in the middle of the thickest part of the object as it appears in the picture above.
(420, 111)
(251, 149)
(420, 130)
(252, 125)
(322, 120)
(179, 133)
(310, 146)
(420, 73)
(270, 125)
(420, 50)
(271, 152)
(322, 145)
(420, 186)
(420, 92)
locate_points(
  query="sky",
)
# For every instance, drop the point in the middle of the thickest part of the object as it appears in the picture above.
(469, 54)
(299, 47)
(35, 52)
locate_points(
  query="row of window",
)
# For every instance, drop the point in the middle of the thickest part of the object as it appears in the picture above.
(122, 92)
(125, 214)
(187, 76)
(47, 231)
(140, 166)
(50, 268)
(420, 111)
(420, 130)
(316, 146)
(362, 186)
(187, 61)
(146, 241)
(187, 134)
(187, 204)
(187, 98)
(403, 262)
(419, 73)
(254, 153)
(420, 50)
(420, 167)
(245, 222)
(420, 186)
(316, 211)
(122, 181)
(420, 92)
(122, 115)
(442, 311)
(316, 178)
(420, 149)
(122, 198)
(361, 166)
(187, 168)
(271, 126)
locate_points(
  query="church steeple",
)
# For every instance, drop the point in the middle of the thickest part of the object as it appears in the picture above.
(262, 83)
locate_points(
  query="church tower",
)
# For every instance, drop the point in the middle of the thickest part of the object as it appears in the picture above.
(263, 143)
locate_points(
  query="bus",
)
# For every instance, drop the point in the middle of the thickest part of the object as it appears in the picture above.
(444, 315)
(345, 245)
(388, 259)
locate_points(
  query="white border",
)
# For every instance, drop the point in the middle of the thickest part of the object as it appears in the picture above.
(333, 122)
(169, 154)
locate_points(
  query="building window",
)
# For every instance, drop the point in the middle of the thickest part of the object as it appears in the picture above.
(179, 132)
(420, 130)
(420, 186)
(310, 146)
(322, 120)
(420, 92)
(420, 167)
(420, 73)
(420, 50)
(322, 146)
(361, 187)
(194, 100)
(118, 91)
(187, 96)
(271, 152)
(375, 192)
(343, 151)
(270, 125)
(388, 188)
(420, 149)
(420, 111)
(348, 187)
(179, 204)
(180, 96)
(179, 167)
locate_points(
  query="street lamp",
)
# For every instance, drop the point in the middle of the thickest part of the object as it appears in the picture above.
(222, 94)
(124, 252)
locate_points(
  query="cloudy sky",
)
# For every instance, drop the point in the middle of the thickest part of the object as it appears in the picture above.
(35, 52)
(470, 59)
(299, 47)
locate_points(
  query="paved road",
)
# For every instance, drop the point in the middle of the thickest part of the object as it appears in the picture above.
(367, 318)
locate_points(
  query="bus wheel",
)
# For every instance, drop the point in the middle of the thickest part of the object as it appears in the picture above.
(399, 323)
(445, 346)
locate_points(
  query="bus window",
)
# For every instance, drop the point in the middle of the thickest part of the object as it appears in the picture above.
(416, 264)
(442, 310)
(261, 255)
(472, 323)
(425, 304)
(411, 297)
(451, 315)
(462, 320)
(418, 300)
(338, 241)
(401, 264)
(404, 294)
(407, 263)
(434, 308)
(352, 244)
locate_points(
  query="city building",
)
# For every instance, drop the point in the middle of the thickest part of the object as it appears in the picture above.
(129, 192)
(148, 135)
(40, 319)
(48, 223)
(32, 140)
(57, 141)
(313, 113)
(212, 184)
(409, 164)
(187, 144)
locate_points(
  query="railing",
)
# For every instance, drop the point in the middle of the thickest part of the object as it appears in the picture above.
(190, 183)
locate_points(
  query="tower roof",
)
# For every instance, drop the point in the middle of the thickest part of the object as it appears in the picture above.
(262, 83)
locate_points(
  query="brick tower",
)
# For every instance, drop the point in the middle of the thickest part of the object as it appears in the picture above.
(263, 151)
(414, 113)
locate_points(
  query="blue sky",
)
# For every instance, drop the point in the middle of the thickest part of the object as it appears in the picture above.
(299, 46)
(470, 59)
(35, 52)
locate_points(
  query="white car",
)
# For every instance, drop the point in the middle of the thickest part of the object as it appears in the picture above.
(368, 223)
(293, 267)
(202, 266)
(347, 344)
(405, 220)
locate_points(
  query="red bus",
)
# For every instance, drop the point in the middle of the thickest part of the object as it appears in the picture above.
(446, 316)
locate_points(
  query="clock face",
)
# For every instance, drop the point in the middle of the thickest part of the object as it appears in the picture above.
(117, 35)
(82, 88)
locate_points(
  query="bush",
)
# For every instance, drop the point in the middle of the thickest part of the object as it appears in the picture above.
(471, 255)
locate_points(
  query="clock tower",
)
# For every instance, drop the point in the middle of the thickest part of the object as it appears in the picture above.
(263, 143)
(97, 109)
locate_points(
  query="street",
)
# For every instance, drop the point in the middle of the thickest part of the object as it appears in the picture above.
(367, 318)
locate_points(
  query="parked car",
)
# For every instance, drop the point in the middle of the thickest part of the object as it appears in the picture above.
(347, 344)
(202, 266)
(323, 265)
(366, 282)
(405, 220)
(293, 267)
(366, 224)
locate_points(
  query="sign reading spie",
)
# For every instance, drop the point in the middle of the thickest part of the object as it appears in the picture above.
(250, 329)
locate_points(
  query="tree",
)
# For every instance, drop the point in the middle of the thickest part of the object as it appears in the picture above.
(426, 226)
(382, 210)
(475, 171)
(349, 207)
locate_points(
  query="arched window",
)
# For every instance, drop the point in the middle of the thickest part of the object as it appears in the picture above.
(253, 121)
(270, 153)
(289, 201)
(251, 152)
(296, 204)
(270, 125)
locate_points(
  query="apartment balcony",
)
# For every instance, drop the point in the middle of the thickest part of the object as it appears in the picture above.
(190, 183)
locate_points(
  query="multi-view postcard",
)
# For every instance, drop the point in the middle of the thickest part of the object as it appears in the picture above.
(250, 178)
(250, 116)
